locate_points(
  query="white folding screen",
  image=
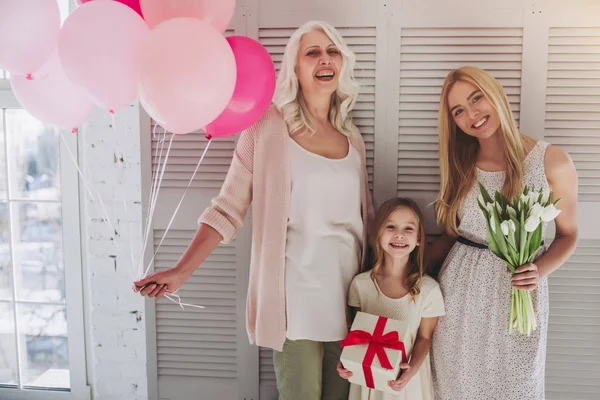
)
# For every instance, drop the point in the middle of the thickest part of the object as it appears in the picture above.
(545, 53)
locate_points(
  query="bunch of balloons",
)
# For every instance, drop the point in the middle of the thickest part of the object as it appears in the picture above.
(172, 55)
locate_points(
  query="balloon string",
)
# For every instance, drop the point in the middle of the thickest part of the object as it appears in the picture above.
(177, 208)
(152, 202)
(97, 198)
(158, 155)
(153, 205)
(161, 143)
(172, 296)
(84, 181)
(155, 174)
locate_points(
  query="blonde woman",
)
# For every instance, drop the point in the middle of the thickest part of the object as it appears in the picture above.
(473, 355)
(303, 169)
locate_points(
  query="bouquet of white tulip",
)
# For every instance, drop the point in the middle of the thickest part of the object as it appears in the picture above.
(514, 234)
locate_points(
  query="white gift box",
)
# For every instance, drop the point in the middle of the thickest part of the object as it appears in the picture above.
(353, 355)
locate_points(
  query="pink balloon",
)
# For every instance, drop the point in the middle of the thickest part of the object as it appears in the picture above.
(51, 97)
(216, 12)
(133, 4)
(254, 88)
(187, 74)
(99, 47)
(28, 34)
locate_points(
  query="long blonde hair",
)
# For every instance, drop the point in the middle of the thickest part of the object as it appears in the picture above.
(288, 95)
(416, 260)
(458, 151)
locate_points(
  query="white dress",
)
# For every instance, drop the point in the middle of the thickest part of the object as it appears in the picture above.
(473, 356)
(364, 294)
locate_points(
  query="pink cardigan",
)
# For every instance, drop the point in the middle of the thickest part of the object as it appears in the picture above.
(260, 174)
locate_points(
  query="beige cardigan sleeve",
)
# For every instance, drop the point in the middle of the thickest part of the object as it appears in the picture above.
(228, 210)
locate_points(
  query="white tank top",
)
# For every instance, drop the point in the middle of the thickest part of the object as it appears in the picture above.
(324, 240)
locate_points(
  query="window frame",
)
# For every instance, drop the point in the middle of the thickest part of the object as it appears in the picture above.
(73, 269)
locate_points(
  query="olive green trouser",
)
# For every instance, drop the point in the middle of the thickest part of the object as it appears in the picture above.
(306, 370)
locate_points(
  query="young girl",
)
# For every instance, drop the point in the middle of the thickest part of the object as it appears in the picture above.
(397, 288)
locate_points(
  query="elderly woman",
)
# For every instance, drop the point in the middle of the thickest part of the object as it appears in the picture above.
(302, 166)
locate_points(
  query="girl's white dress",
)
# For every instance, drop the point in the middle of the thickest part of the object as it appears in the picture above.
(364, 294)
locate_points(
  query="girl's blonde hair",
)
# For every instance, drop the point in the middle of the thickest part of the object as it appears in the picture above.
(458, 151)
(416, 261)
(288, 95)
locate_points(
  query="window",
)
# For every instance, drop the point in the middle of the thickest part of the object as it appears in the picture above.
(42, 352)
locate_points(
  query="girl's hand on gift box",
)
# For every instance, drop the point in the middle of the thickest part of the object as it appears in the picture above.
(407, 373)
(344, 373)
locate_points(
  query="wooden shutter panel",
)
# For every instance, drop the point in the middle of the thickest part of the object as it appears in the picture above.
(427, 55)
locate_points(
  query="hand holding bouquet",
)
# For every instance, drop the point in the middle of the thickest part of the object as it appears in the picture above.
(514, 234)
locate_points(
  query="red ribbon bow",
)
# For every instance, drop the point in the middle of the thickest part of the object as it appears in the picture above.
(377, 343)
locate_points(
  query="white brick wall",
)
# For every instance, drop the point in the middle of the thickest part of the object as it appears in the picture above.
(115, 316)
